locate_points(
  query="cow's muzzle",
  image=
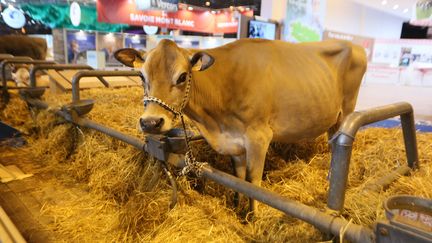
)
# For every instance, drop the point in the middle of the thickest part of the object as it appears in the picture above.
(151, 124)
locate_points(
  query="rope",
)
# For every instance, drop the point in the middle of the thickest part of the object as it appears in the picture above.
(343, 230)
(191, 164)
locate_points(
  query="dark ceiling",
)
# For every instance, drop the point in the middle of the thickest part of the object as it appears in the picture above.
(214, 4)
(218, 4)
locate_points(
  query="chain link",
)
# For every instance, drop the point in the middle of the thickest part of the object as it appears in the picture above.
(191, 164)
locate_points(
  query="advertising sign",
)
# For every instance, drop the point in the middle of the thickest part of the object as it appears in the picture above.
(127, 12)
(77, 45)
(423, 13)
(166, 5)
(365, 42)
(404, 52)
(136, 42)
(109, 43)
(304, 21)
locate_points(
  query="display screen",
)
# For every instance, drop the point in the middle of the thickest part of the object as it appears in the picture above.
(264, 30)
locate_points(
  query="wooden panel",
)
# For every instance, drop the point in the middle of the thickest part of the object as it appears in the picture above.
(30, 228)
(59, 79)
(42, 81)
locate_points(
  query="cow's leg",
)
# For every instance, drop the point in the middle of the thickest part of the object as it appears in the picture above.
(239, 165)
(257, 143)
(332, 130)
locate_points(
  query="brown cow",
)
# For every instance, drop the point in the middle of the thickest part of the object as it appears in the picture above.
(245, 94)
(21, 45)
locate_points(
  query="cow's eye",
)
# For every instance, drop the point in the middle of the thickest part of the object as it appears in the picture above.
(181, 79)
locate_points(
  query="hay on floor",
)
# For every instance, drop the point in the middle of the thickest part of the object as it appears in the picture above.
(129, 196)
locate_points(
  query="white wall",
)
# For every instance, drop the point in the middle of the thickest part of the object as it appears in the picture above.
(353, 18)
(273, 9)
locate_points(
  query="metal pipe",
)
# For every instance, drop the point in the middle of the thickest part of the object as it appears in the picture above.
(5, 56)
(343, 140)
(324, 222)
(385, 181)
(37, 68)
(97, 73)
(16, 60)
(136, 142)
(410, 140)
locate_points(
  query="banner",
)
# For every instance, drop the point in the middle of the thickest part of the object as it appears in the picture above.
(126, 12)
(78, 43)
(108, 43)
(166, 5)
(423, 13)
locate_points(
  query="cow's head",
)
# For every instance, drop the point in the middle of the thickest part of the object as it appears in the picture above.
(166, 70)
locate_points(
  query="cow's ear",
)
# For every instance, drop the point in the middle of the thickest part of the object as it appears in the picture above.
(200, 61)
(130, 57)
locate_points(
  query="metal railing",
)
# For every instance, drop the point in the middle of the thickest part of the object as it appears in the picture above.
(60, 67)
(343, 140)
(15, 60)
(99, 74)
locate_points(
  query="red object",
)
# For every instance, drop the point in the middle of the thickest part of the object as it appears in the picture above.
(125, 12)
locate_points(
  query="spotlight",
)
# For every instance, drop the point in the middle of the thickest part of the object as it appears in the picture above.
(207, 3)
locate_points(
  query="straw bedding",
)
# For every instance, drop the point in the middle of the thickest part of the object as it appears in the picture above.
(128, 195)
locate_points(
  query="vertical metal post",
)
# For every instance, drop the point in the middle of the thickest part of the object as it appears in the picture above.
(410, 141)
(339, 168)
(342, 146)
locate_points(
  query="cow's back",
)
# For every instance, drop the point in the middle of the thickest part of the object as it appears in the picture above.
(299, 88)
(19, 45)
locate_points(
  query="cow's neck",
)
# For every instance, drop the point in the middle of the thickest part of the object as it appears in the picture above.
(204, 105)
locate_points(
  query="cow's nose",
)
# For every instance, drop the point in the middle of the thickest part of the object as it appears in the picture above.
(151, 124)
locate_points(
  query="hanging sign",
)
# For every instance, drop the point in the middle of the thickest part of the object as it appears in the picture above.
(304, 21)
(75, 13)
(150, 30)
(14, 18)
(165, 5)
(126, 12)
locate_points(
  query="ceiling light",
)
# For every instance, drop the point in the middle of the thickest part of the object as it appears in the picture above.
(190, 8)
(207, 3)
(384, 2)
(395, 6)
(406, 10)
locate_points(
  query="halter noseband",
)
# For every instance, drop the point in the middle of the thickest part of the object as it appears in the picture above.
(190, 162)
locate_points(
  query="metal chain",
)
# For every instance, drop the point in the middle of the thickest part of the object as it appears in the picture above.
(191, 164)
